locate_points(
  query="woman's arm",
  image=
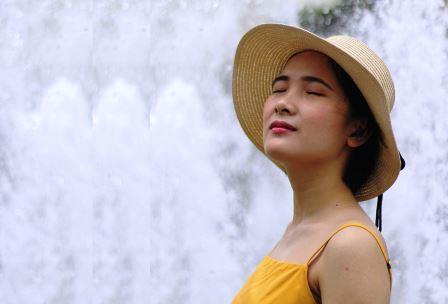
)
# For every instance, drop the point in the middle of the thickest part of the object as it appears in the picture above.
(353, 270)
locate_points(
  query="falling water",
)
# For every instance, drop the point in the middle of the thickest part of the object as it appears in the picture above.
(125, 177)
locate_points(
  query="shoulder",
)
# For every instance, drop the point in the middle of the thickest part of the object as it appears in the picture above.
(353, 265)
(357, 242)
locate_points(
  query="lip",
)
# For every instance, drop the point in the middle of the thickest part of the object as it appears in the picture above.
(280, 126)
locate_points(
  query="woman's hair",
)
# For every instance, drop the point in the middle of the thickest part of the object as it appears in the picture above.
(362, 160)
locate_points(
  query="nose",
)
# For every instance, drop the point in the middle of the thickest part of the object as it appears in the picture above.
(283, 105)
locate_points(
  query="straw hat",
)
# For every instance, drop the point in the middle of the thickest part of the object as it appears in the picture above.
(263, 52)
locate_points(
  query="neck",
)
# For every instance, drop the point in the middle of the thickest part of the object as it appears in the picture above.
(318, 191)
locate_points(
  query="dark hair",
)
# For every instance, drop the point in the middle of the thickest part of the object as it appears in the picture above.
(363, 159)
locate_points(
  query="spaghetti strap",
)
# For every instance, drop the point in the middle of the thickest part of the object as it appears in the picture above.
(348, 224)
(357, 224)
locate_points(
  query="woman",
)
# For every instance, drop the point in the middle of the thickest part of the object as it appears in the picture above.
(319, 109)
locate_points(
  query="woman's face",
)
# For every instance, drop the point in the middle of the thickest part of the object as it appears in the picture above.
(307, 96)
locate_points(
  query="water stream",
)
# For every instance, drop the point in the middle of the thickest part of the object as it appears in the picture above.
(124, 174)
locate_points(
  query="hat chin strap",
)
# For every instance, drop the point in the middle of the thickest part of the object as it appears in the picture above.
(379, 204)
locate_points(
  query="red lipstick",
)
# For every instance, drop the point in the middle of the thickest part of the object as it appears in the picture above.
(279, 126)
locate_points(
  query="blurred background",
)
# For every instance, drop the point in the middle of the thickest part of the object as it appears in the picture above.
(126, 178)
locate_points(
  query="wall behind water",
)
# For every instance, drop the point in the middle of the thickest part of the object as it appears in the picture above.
(125, 177)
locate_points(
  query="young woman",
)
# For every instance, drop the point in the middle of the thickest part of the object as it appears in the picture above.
(319, 109)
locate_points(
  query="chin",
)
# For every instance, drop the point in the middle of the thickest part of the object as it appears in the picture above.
(279, 153)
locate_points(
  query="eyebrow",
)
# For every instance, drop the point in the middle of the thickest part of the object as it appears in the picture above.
(304, 78)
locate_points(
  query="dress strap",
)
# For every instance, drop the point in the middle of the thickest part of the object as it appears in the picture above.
(349, 224)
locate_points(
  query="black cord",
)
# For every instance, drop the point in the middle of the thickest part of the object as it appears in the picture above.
(379, 204)
(378, 219)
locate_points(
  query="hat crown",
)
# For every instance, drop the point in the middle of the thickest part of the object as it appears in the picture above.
(370, 61)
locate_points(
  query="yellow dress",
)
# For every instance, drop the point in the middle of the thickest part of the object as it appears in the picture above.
(275, 281)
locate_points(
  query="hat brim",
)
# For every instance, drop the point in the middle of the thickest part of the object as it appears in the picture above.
(263, 52)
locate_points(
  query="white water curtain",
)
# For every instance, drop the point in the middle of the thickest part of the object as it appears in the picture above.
(126, 178)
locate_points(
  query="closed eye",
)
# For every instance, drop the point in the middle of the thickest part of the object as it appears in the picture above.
(314, 93)
(278, 91)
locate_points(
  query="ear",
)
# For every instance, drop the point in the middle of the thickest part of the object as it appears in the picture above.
(359, 132)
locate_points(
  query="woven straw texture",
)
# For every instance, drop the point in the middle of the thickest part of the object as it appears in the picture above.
(263, 52)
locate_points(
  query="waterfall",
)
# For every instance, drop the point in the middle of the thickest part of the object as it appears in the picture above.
(126, 178)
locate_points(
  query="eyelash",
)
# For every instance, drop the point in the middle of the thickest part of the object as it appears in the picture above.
(308, 92)
(315, 93)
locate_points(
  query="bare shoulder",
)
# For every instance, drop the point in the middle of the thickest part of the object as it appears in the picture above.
(353, 269)
(355, 237)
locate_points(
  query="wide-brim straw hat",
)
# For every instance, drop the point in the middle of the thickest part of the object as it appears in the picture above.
(263, 52)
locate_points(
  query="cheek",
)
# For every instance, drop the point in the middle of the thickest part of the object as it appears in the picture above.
(327, 120)
(268, 106)
(268, 109)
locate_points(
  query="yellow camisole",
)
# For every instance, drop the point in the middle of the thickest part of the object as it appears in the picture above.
(275, 281)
